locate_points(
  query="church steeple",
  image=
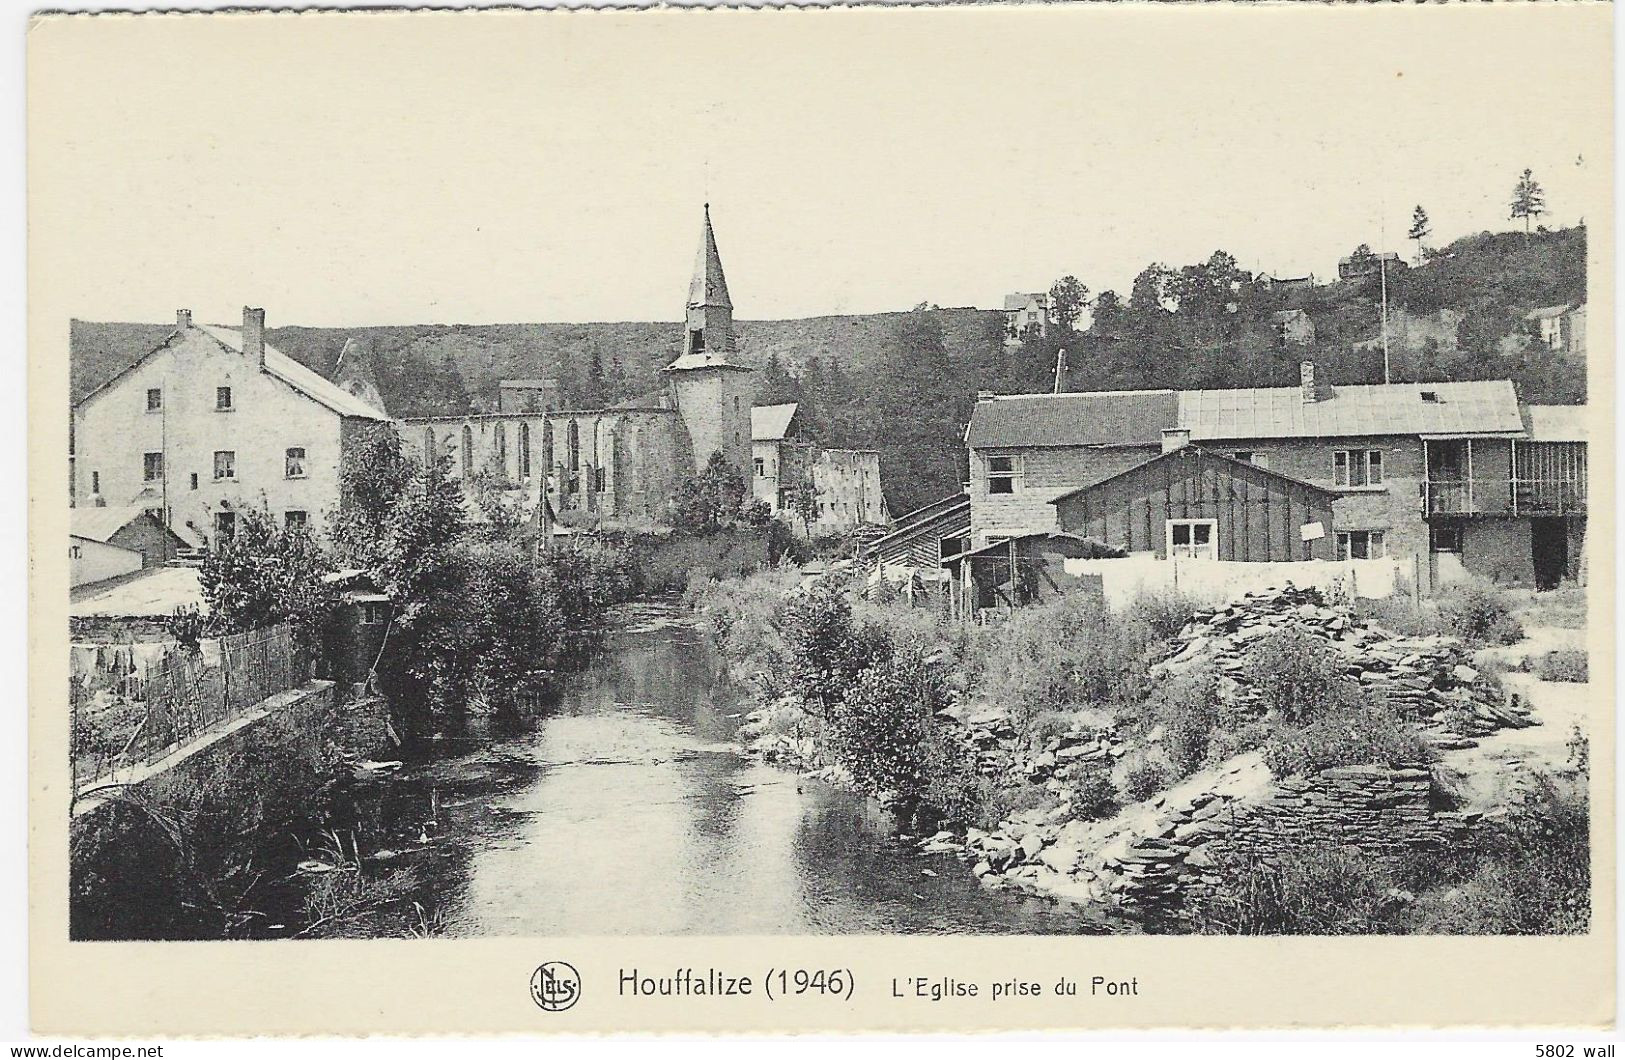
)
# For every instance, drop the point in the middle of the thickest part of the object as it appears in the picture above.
(709, 324)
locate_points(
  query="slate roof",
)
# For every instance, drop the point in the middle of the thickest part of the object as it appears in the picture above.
(308, 382)
(1128, 417)
(100, 524)
(770, 423)
(1480, 407)
(1555, 423)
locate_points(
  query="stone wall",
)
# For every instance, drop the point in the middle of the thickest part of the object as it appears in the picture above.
(1045, 474)
(1378, 813)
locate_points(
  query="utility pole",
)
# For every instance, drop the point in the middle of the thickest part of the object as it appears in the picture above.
(1382, 269)
(163, 456)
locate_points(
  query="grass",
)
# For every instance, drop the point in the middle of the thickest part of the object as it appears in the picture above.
(1564, 665)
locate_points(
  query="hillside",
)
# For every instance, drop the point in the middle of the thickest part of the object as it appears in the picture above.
(903, 383)
(428, 369)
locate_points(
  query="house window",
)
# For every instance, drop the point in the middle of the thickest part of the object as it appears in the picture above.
(194, 480)
(225, 525)
(1247, 456)
(155, 399)
(1360, 544)
(225, 464)
(696, 340)
(1445, 537)
(1356, 468)
(761, 467)
(373, 613)
(152, 467)
(296, 520)
(293, 464)
(1002, 474)
(1193, 538)
(95, 482)
(222, 399)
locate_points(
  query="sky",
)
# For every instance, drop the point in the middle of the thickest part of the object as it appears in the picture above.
(392, 169)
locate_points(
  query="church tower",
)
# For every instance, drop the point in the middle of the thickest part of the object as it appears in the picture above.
(712, 393)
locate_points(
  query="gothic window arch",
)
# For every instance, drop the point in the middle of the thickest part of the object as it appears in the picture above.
(468, 451)
(428, 445)
(573, 442)
(524, 450)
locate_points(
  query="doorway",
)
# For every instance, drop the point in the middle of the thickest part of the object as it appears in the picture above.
(1549, 541)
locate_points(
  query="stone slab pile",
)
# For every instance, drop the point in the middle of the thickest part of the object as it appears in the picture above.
(1429, 679)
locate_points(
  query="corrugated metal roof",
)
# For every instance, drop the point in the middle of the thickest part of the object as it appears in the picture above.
(1556, 423)
(1131, 417)
(296, 375)
(1481, 407)
(768, 423)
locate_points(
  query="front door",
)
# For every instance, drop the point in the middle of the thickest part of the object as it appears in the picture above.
(1549, 540)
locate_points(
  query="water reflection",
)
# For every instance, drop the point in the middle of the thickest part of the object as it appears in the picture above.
(627, 810)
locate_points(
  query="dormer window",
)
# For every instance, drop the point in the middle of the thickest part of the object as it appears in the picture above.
(222, 399)
(155, 399)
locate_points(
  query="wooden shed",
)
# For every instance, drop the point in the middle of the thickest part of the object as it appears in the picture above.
(1021, 570)
(926, 537)
(1196, 504)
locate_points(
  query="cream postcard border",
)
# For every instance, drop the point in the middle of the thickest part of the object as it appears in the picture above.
(481, 987)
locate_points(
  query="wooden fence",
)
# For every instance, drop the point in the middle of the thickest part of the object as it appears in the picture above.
(180, 696)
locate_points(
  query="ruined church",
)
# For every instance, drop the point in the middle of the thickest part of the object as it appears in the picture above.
(618, 466)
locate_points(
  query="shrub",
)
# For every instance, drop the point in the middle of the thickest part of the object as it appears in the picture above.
(825, 649)
(1344, 736)
(1565, 665)
(1562, 608)
(1478, 615)
(1190, 713)
(1311, 890)
(1160, 613)
(1094, 796)
(1397, 614)
(1530, 874)
(1299, 675)
(1065, 654)
(1001, 802)
(1144, 780)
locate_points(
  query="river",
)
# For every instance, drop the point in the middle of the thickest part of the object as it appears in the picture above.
(626, 807)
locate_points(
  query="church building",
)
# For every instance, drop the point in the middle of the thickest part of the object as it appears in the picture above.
(618, 466)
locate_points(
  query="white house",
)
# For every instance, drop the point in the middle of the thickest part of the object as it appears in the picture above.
(214, 421)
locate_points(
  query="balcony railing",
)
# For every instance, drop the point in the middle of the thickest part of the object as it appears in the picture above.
(1505, 497)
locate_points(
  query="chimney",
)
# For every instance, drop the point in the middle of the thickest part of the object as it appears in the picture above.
(183, 318)
(1308, 382)
(254, 335)
(1175, 438)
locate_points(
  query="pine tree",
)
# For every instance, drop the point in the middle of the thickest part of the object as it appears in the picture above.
(1528, 200)
(1420, 230)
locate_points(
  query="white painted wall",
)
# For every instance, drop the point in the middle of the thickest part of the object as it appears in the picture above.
(92, 561)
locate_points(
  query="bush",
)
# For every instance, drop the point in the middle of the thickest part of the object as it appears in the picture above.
(1144, 780)
(1094, 796)
(1064, 655)
(825, 649)
(1528, 875)
(1189, 711)
(1397, 614)
(1160, 613)
(1478, 615)
(1565, 665)
(1298, 676)
(1314, 890)
(1344, 736)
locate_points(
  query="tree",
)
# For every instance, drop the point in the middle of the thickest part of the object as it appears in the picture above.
(1067, 297)
(265, 575)
(1528, 200)
(711, 499)
(397, 514)
(801, 494)
(1420, 230)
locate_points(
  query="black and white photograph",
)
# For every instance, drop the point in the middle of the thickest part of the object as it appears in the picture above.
(672, 481)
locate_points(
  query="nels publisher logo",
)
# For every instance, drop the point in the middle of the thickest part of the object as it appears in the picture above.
(555, 986)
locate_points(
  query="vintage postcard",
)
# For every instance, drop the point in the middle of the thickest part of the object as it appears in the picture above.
(972, 518)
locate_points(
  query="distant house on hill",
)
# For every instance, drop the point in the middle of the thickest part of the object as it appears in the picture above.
(1562, 328)
(1024, 314)
(1293, 327)
(1285, 283)
(1360, 266)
